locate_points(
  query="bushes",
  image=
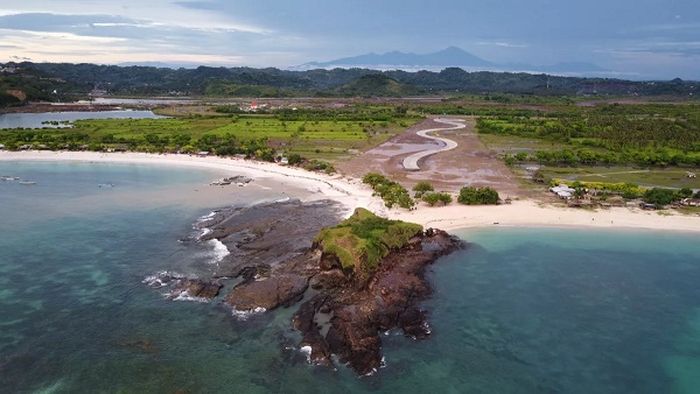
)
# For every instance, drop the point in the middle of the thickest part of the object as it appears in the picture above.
(478, 196)
(391, 192)
(421, 188)
(361, 241)
(432, 198)
(661, 197)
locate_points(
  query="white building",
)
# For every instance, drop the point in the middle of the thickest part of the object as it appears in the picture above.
(562, 191)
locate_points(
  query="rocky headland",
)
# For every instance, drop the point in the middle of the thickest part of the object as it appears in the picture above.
(358, 277)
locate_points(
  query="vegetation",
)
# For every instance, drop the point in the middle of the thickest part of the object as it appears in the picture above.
(264, 137)
(626, 190)
(421, 188)
(478, 196)
(498, 87)
(650, 135)
(662, 197)
(391, 192)
(363, 240)
(433, 198)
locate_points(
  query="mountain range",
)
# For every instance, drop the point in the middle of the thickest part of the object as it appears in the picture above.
(448, 57)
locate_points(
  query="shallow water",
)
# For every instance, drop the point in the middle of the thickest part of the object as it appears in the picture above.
(37, 120)
(521, 310)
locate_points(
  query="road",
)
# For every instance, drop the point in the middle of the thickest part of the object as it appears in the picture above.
(410, 163)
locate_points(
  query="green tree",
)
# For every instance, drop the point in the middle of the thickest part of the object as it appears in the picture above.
(478, 196)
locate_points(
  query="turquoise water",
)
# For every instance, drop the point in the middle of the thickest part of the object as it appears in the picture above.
(519, 311)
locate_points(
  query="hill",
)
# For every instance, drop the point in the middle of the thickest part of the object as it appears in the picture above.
(377, 85)
(64, 82)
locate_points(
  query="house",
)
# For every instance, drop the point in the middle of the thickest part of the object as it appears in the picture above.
(563, 191)
(2, 146)
(203, 153)
(690, 202)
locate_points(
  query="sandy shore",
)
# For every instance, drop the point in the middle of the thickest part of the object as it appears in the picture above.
(352, 193)
(349, 192)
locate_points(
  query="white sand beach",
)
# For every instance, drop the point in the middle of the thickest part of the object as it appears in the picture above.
(352, 193)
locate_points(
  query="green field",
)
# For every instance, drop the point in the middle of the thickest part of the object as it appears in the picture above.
(650, 177)
(327, 139)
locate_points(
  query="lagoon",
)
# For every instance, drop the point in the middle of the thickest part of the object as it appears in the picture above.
(64, 119)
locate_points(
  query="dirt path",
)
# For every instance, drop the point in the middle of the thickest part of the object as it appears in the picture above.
(469, 163)
(410, 163)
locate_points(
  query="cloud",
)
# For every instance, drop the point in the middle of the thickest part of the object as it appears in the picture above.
(502, 44)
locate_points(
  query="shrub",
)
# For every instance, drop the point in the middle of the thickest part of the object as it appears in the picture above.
(421, 188)
(364, 239)
(478, 196)
(433, 198)
(685, 193)
(294, 159)
(391, 192)
(660, 197)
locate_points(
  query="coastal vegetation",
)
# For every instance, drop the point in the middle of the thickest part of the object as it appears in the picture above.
(433, 198)
(261, 136)
(478, 196)
(421, 188)
(360, 242)
(390, 191)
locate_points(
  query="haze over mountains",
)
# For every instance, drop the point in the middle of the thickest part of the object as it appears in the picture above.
(450, 57)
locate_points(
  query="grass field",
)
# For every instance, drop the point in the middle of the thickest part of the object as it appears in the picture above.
(655, 177)
(322, 139)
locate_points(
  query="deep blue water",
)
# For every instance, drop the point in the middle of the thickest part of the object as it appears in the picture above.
(519, 311)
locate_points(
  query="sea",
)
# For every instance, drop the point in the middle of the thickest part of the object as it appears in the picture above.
(519, 310)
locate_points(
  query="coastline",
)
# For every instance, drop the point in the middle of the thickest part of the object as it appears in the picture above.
(351, 193)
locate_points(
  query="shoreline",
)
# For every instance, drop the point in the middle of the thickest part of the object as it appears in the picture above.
(351, 193)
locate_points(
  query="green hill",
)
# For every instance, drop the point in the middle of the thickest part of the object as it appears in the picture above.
(377, 85)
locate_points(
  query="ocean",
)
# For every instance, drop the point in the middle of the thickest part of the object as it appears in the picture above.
(517, 311)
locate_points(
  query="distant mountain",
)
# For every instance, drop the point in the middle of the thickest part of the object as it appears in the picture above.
(449, 57)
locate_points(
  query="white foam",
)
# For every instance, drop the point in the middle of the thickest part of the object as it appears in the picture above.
(161, 279)
(185, 296)
(307, 351)
(220, 250)
(203, 232)
(244, 315)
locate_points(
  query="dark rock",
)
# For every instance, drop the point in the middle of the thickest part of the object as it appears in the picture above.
(269, 293)
(196, 288)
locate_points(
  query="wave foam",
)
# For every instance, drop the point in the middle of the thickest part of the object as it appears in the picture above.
(220, 250)
(244, 315)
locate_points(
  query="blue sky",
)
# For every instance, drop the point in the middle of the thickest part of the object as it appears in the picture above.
(635, 38)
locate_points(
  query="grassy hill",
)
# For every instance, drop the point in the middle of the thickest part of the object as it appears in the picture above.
(377, 85)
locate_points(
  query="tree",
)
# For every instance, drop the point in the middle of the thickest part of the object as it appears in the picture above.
(660, 197)
(421, 188)
(294, 159)
(478, 196)
(432, 198)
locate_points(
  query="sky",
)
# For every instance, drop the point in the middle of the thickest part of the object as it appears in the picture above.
(635, 39)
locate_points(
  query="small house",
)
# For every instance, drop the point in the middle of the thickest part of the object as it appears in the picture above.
(563, 191)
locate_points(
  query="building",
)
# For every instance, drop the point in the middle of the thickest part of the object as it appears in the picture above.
(563, 191)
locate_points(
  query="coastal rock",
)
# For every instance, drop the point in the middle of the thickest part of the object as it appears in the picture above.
(276, 257)
(268, 293)
(196, 288)
(388, 300)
